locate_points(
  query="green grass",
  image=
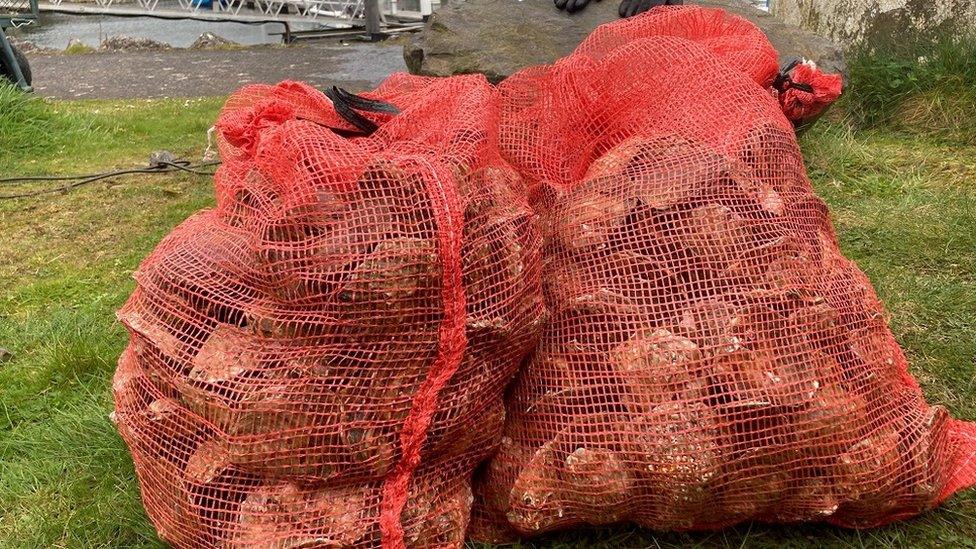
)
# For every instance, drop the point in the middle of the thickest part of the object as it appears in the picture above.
(921, 88)
(41, 137)
(78, 48)
(903, 202)
(66, 479)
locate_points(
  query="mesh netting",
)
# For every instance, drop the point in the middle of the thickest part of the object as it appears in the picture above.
(711, 356)
(320, 360)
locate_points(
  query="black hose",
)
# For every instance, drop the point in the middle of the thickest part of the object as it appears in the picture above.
(159, 167)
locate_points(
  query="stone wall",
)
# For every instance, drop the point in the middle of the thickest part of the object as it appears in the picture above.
(879, 22)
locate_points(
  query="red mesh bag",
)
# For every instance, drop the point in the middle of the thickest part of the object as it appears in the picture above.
(556, 120)
(711, 356)
(320, 360)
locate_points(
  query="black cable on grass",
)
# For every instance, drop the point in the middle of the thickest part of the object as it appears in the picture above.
(181, 165)
(157, 167)
(185, 166)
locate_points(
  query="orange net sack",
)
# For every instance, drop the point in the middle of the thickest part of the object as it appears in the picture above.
(711, 356)
(320, 360)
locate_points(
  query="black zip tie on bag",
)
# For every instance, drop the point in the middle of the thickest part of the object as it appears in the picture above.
(784, 80)
(347, 104)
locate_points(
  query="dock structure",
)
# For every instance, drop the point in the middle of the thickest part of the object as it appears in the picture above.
(331, 15)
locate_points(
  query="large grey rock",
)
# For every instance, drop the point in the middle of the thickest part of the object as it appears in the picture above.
(880, 23)
(211, 41)
(499, 37)
(129, 43)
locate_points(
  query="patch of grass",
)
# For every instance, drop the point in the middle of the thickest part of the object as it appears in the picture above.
(77, 48)
(922, 87)
(65, 267)
(39, 137)
(30, 127)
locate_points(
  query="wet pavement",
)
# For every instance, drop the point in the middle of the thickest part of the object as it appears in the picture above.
(199, 73)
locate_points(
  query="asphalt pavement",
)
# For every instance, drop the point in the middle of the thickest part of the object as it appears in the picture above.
(356, 66)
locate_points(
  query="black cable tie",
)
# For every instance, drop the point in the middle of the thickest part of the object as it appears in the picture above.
(348, 114)
(784, 81)
(347, 104)
(361, 103)
(801, 86)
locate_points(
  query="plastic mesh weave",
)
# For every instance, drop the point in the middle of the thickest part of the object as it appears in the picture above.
(320, 360)
(711, 356)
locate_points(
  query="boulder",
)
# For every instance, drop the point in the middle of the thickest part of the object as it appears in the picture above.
(499, 37)
(880, 23)
(211, 41)
(77, 46)
(129, 43)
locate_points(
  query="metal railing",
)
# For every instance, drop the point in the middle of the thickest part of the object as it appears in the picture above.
(18, 10)
(323, 11)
